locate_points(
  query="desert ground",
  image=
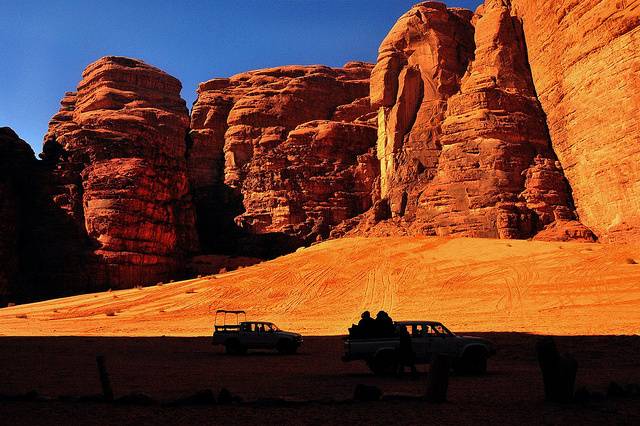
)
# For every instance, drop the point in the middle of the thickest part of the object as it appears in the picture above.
(155, 339)
(468, 284)
(315, 384)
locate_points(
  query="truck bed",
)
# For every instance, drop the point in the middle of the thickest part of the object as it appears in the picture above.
(362, 349)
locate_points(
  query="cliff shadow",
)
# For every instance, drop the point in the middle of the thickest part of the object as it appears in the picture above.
(216, 209)
(168, 368)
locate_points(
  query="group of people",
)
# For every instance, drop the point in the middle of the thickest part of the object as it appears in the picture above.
(382, 326)
(368, 327)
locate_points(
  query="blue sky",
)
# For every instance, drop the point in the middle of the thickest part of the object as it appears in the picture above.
(45, 45)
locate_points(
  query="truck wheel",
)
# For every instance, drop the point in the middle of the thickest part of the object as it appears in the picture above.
(384, 362)
(286, 347)
(234, 347)
(473, 361)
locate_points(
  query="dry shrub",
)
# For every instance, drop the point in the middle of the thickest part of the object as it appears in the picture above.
(190, 291)
(630, 261)
(110, 313)
(21, 316)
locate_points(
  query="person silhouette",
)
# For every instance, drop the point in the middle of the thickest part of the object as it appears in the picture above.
(384, 325)
(406, 355)
(366, 325)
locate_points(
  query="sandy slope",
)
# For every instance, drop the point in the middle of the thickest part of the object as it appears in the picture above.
(469, 284)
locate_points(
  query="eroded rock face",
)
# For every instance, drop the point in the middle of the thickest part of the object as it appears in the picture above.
(462, 139)
(117, 155)
(16, 166)
(322, 174)
(269, 144)
(585, 61)
(420, 65)
(470, 109)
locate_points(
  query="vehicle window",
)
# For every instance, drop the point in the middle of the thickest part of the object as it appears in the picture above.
(245, 327)
(418, 330)
(440, 329)
(429, 330)
(268, 328)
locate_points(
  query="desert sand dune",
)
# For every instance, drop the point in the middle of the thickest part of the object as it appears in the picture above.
(469, 284)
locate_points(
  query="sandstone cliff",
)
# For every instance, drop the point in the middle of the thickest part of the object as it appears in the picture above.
(517, 121)
(462, 140)
(117, 158)
(283, 152)
(585, 61)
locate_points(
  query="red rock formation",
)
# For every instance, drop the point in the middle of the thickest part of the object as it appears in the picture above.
(16, 164)
(322, 174)
(117, 152)
(471, 110)
(237, 125)
(463, 143)
(420, 64)
(585, 61)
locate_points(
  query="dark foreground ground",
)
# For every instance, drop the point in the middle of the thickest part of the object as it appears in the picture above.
(170, 368)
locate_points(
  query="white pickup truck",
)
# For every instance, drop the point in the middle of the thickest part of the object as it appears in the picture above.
(427, 337)
(240, 336)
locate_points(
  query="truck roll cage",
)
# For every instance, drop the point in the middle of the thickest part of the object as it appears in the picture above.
(220, 320)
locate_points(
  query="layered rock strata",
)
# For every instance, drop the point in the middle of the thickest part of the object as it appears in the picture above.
(420, 64)
(273, 148)
(513, 122)
(117, 154)
(322, 174)
(585, 62)
(463, 143)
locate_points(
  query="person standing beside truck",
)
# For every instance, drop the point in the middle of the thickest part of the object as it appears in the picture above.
(406, 355)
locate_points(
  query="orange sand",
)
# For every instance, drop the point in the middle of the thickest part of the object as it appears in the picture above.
(469, 284)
